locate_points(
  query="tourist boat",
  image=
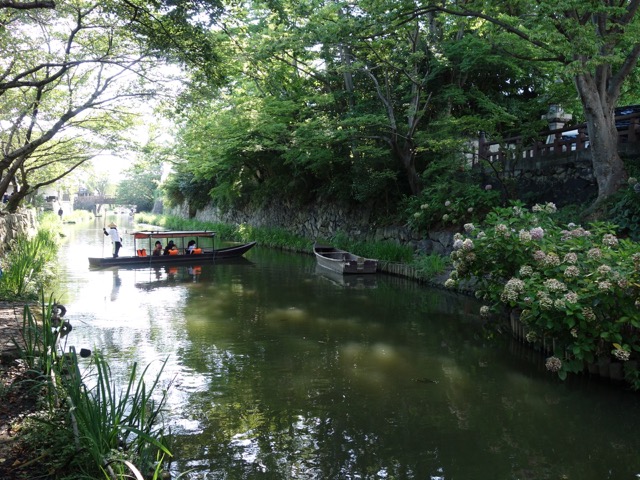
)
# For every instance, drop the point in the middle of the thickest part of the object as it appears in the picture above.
(144, 241)
(341, 261)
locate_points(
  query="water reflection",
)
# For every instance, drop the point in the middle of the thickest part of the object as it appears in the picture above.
(116, 285)
(349, 281)
(279, 373)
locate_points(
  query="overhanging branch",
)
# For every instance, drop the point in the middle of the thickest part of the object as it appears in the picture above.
(27, 5)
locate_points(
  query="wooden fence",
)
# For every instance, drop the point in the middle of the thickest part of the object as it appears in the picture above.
(553, 142)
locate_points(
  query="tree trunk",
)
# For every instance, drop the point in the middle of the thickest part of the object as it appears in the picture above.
(406, 156)
(608, 167)
(16, 199)
(599, 109)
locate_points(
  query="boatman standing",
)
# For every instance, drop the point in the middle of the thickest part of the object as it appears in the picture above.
(115, 238)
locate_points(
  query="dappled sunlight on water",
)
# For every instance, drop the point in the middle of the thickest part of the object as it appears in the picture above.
(291, 314)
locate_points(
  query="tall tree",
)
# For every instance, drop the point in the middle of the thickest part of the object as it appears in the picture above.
(139, 187)
(72, 77)
(65, 77)
(330, 98)
(593, 42)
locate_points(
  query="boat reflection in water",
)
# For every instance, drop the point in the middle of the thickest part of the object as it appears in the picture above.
(347, 281)
(171, 275)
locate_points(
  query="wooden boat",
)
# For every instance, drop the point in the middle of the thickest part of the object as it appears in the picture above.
(341, 261)
(144, 241)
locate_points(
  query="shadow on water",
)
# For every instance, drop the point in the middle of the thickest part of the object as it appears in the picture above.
(279, 372)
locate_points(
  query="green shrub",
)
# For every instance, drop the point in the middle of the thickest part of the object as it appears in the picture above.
(449, 200)
(431, 265)
(625, 210)
(576, 288)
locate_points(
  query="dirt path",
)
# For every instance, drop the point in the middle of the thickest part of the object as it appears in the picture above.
(15, 402)
(10, 327)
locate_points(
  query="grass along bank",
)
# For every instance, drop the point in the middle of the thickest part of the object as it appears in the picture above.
(29, 262)
(393, 257)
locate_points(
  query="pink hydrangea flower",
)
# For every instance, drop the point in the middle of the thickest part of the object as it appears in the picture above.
(537, 233)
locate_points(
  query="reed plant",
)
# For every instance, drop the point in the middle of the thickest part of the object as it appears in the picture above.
(381, 250)
(27, 266)
(431, 265)
(39, 338)
(118, 428)
(276, 238)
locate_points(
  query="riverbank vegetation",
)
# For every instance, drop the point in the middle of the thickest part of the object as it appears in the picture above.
(88, 425)
(29, 262)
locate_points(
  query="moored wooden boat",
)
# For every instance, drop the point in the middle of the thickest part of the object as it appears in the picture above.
(143, 246)
(341, 261)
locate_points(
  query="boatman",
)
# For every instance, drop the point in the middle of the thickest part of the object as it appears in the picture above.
(115, 238)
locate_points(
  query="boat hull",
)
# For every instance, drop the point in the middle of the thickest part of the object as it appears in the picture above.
(206, 256)
(343, 262)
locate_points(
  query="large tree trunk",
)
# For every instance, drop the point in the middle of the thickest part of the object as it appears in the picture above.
(405, 154)
(599, 109)
(608, 167)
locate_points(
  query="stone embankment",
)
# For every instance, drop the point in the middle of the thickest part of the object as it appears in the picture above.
(323, 221)
(12, 225)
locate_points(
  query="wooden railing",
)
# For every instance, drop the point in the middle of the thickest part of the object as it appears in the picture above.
(553, 142)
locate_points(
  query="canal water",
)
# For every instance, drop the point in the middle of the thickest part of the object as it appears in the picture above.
(278, 371)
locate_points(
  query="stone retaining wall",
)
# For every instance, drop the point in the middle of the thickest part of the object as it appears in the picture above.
(562, 179)
(12, 225)
(323, 222)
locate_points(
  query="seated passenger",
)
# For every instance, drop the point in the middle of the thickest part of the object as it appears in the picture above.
(170, 246)
(158, 249)
(191, 246)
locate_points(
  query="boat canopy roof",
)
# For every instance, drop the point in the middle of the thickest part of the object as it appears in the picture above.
(172, 234)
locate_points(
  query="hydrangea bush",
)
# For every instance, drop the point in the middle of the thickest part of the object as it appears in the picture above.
(446, 204)
(576, 288)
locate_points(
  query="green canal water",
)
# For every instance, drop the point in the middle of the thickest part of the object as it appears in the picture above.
(276, 371)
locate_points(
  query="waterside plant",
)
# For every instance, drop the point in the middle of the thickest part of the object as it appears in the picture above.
(26, 267)
(101, 428)
(576, 289)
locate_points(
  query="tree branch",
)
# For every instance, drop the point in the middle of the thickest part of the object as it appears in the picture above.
(27, 5)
